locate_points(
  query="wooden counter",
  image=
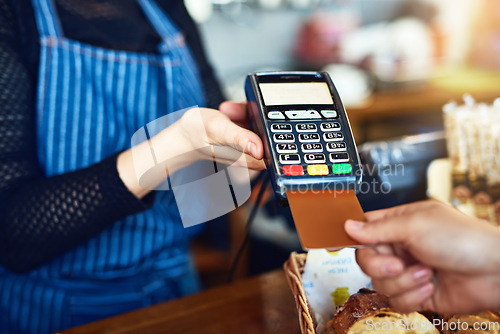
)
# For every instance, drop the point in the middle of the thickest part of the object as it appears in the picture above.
(262, 304)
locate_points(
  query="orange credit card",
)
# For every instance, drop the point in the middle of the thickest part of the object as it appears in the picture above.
(320, 217)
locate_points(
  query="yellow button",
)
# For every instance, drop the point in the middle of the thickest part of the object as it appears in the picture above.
(317, 170)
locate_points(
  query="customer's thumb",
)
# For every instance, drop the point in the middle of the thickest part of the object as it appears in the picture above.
(389, 230)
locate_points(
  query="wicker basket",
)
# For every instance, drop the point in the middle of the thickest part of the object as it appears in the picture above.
(294, 267)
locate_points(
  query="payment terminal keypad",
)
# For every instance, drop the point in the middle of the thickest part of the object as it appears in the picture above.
(310, 142)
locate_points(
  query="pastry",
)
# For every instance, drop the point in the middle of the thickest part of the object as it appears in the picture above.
(357, 305)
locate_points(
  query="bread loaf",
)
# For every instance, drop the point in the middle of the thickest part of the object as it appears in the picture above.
(481, 323)
(387, 321)
(368, 312)
(357, 305)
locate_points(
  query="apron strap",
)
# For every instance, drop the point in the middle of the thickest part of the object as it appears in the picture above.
(46, 18)
(169, 33)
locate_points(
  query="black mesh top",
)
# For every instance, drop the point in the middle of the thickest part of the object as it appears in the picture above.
(41, 217)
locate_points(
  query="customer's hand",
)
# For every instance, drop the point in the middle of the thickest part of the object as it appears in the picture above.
(429, 256)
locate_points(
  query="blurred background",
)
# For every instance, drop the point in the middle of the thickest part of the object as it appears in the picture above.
(395, 64)
(368, 46)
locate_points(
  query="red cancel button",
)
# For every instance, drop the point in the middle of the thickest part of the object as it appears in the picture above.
(293, 170)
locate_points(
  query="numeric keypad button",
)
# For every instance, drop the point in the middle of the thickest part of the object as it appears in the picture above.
(312, 148)
(306, 127)
(286, 148)
(309, 137)
(284, 137)
(333, 136)
(336, 147)
(314, 158)
(330, 126)
(281, 127)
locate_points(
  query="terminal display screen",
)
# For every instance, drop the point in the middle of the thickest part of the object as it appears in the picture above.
(296, 93)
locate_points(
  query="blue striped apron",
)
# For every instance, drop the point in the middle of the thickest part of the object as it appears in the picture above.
(90, 102)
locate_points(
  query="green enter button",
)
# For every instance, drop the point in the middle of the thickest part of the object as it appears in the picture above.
(341, 168)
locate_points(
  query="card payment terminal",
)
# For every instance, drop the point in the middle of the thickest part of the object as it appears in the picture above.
(310, 152)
